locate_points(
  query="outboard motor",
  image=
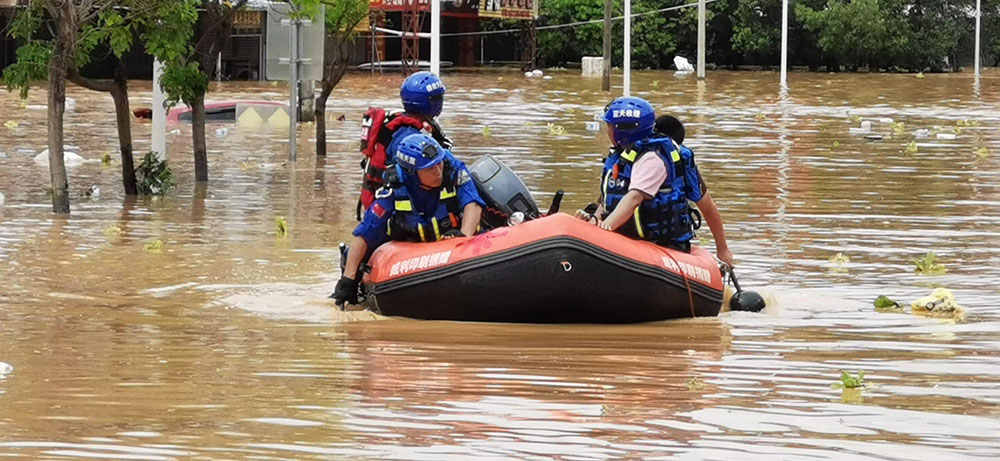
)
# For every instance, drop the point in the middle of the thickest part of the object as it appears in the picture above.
(503, 191)
(746, 301)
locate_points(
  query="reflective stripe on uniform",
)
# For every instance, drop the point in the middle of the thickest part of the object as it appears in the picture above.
(446, 194)
(420, 229)
(638, 223)
(404, 205)
(675, 156)
(630, 155)
(437, 230)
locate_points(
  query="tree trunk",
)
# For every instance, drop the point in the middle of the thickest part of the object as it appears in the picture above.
(320, 113)
(123, 117)
(198, 133)
(57, 107)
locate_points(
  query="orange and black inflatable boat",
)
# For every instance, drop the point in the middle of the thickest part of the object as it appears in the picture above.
(554, 269)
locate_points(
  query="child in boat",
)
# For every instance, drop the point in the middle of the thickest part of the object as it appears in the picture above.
(649, 180)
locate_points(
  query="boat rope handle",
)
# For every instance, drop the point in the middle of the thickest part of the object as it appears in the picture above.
(687, 283)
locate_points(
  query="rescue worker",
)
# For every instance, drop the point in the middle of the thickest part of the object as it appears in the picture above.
(422, 95)
(648, 182)
(430, 196)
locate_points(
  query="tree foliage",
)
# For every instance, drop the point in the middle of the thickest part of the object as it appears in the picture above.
(911, 35)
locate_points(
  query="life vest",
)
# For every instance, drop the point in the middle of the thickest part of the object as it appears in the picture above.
(410, 225)
(377, 128)
(665, 219)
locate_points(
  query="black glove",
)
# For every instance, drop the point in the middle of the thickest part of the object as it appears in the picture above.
(345, 292)
(451, 233)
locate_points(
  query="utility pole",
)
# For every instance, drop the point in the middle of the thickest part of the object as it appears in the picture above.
(606, 80)
(701, 39)
(627, 58)
(436, 37)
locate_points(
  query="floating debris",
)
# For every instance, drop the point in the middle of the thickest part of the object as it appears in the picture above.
(921, 133)
(221, 132)
(760, 116)
(6, 369)
(940, 303)
(928, 265)
(10, 124)
(920, 75)
(983, 152)
(886, 303)
(695, 384)
(655, 84)
(946, 136)
(911, 147)
(836, 144)
(898, 128)
(874, 137)
(106, 158)
(840, 258)
(112, 231)
(556, 130)
(486, 131)
(92, 192)
(850, 382)
(593, 126)
(281, 226)
(153, 246)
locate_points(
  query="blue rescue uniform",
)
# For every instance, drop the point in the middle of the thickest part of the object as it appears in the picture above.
(667, 219)
(406, 212)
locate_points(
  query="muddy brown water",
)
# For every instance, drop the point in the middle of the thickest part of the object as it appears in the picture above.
(221, 345)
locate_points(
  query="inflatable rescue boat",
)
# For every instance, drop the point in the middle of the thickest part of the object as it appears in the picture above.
(554, 269)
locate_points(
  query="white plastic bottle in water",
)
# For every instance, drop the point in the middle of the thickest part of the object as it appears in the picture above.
(515, 218)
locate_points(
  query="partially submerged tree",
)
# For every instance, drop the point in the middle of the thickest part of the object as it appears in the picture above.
(114, 32)
(342, 17)
(188, 66)
(52, 59)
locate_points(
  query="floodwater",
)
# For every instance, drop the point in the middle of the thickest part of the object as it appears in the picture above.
(221, 344)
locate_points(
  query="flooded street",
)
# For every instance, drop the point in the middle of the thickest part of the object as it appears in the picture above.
(222, 344)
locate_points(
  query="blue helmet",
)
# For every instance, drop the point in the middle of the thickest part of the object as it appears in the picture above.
(418, 151)
(422, 93)
(631, 119)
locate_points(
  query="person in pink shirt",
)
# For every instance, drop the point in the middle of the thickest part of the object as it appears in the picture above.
(649, 180)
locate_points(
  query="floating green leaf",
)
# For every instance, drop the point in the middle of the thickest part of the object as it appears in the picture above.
(106, 158)
(920, 75)
(884, 302)
(655, 84)
(928, 265)
(840, 258)
(760, 116)
(898, 128)
(694, 384)
(153, 246)
(486, 131)
(983, 152)
(850, 382)
(112, 231)
(836, 144)
(556, 130)
(281, 226)
(911, 148)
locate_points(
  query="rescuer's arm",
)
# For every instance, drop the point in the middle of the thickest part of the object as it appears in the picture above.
(624, 211)
(470, 218)
(714, 219)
